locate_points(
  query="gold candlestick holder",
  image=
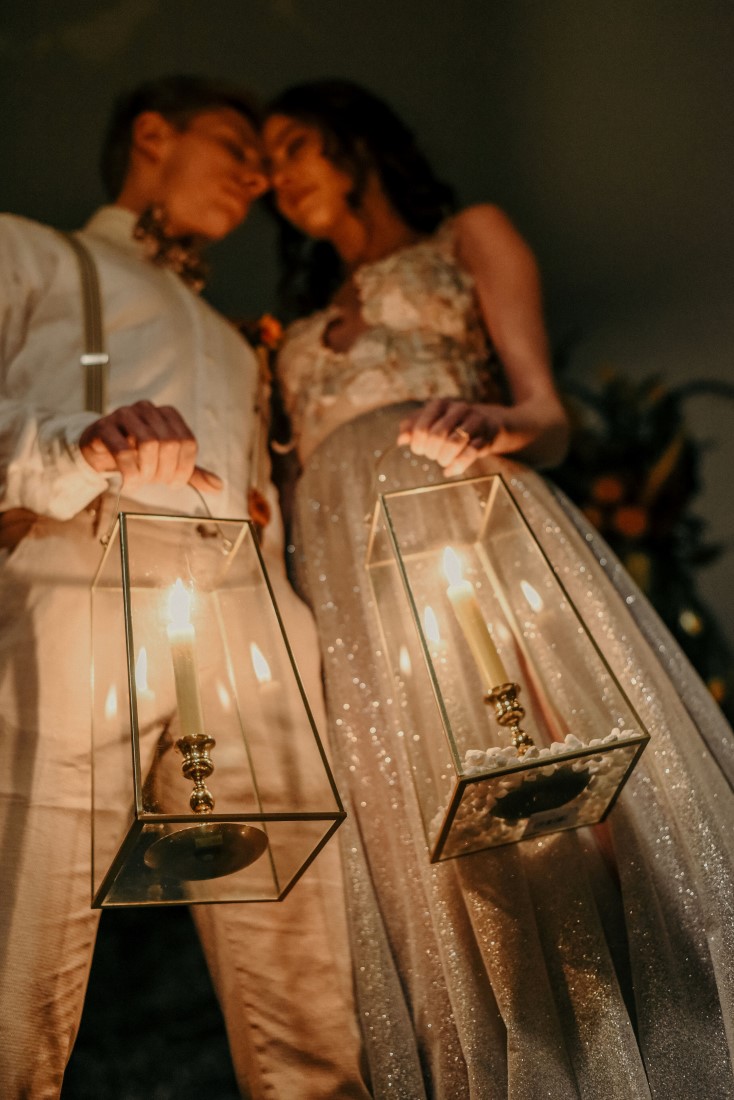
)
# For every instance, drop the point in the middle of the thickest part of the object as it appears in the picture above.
(168, 826)
(197, 766)
(204, 851)
(511, 624)
(538, 793)
(509, 712)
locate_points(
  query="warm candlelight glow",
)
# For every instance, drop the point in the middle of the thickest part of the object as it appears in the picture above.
(452, 566)
(532, 596)
(182, 640)
(141, 670)
(404, 661)
(436, 644)
(141, 675)
(179, 605)
(430, 625)
(224, 697)
(261, 666)
(469, 616)
(110, 705)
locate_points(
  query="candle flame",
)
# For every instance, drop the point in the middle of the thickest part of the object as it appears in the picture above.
(430, 625)
(404, 661)
(224, 696)
(532, 596)
(110, 706)
(141, 670)
(261, 666)
(179, 605)
(452, 566)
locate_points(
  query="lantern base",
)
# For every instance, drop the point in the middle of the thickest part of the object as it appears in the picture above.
(542, 793)
(206, 851)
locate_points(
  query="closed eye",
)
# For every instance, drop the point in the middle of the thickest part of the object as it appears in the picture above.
(235, 150)
(243, 154)
(287, 152)
(295, 145)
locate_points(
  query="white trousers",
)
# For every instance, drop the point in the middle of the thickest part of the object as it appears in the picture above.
(281, 970)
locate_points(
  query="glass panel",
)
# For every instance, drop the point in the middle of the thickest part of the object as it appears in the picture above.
(574, 789)
(468, 601)
(213, 861)
(198, 713)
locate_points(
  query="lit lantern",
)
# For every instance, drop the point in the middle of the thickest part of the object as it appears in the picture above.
(515, 725)
(209, 779)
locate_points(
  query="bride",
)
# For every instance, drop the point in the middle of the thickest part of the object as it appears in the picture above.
(595, 964)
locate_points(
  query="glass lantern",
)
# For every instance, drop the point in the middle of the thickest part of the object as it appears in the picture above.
(209, 779)
(517, 725)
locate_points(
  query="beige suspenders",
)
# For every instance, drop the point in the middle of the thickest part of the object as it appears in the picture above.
(95, 362)
(15, 523)
(94, 358)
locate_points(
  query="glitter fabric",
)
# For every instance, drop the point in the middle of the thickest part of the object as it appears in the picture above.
(595, 964)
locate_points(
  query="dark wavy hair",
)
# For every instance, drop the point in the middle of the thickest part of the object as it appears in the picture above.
(179, 99)
(361, 134)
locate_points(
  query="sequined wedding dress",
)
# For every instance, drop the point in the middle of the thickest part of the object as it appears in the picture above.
(537, 969)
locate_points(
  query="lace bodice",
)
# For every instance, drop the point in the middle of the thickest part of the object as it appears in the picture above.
(424, 338)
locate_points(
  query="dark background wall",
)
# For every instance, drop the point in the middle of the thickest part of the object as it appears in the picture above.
(606, 131)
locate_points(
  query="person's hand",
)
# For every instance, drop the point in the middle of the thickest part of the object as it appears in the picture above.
(146, 443)
(451, 432)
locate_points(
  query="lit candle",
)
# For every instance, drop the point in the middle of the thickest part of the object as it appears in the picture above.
(262, 668)
(110, 706)
(272, 698)
(436, 644)
(404, 661)
(469, 616)
(142, 689)
(182, 638)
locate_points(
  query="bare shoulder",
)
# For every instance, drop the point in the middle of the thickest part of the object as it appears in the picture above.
(485, 230)
(484, 218)
(481, 215)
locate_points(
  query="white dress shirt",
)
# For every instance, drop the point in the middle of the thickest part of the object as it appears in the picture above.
(166, 345)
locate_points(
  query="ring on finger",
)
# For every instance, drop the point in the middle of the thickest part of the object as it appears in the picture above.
(461, 435)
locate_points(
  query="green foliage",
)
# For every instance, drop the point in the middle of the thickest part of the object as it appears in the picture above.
(634, 470)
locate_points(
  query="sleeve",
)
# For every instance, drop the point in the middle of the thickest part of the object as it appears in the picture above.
(41, 467)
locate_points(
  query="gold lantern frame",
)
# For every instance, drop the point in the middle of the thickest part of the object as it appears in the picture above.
(210, 784)
(480, 778)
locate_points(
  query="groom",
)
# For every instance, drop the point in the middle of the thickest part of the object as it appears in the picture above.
(182, 166)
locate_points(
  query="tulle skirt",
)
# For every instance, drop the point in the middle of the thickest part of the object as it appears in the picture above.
(544, 968)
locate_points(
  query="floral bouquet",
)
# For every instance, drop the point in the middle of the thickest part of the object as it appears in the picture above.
(633, 468)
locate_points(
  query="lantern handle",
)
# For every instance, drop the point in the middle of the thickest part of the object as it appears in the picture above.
(378, 476)
(104, 539)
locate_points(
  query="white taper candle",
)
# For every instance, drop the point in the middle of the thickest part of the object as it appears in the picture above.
(464, 602)
(182, 640)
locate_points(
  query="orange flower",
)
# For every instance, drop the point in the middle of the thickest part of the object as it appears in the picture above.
(630, 520)
(607, 489)
(717, 687)
(270, 331)
(594, 515)
(690, 622)
(639, 567)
